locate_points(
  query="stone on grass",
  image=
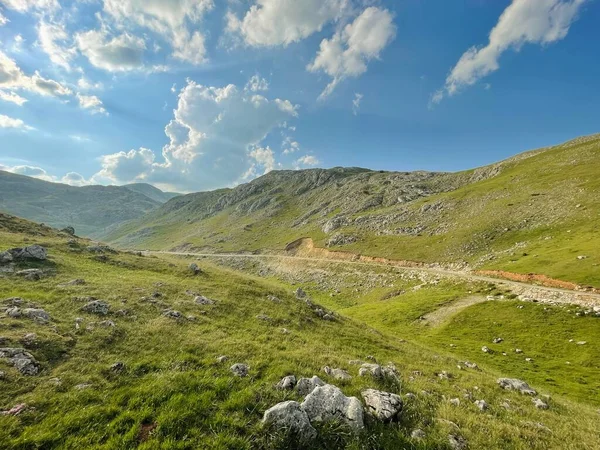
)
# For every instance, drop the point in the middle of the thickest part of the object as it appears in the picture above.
(305, 386)
(264, 318)
(514, 384)
(385, 406)
(39, 315)
(418, 434)
(497, 340)
(338, 374)
(96, 307)
(6, 257)
(172, 314)
(485, 349)
(202, 300)
(287, 383)
(539, 403)
(240, 370)
(300, 294)
(455, 401)
(32, 252)
(328, 402)
(481, 404)
(30, 274)
(221, 359)
(290, 417)
(371, 369)
(21, 360)
(457, 442)
(15, 410)
(194, 268)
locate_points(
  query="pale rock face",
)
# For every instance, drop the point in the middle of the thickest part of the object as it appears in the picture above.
(240, 370)
(385, 406)
(306, 385)
(516, 385)
(290, 416)
(338, 374)
(328, 402)
(287, 383)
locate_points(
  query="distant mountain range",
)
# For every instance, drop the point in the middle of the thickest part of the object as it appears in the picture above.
(91, 210)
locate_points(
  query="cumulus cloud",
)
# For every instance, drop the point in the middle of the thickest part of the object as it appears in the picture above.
(348, 52)
(282, 22)
(72, 178)
(356, 103)
(214, 140)
(114, 54)
(91, 102)
(31, 171)
(306, 161)
(10, 122)
(264, 162)
(522, 22)
(23, 6)
(169, 19)
(3, 19)
(52, 38)
(12, 97)
(257, 84)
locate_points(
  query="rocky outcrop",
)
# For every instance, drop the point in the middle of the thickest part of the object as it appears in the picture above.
(384, 406)
(96, 307)
(21, 360)
(328, 402)
(240, 370)
(291, 417)
(514, 384)
(287, 383)
(306, 385)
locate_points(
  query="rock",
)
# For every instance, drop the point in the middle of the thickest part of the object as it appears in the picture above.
(21, 360)
(581, 342)
(329, 317)
(514, 384)
(202, 300)
(69, 230)
(195, 269)
(470, 365)
(540, 404)
(385, 406)
(222, 359)
(264, 318)
(273, 299)
(82, 386)
(455, 401)
(371, 369)
(518, 350)
(305, 386)
(338, 374)
(443, 375)
(117, 367)
(497, 340)
(290, 416)
(410, 395)
(13, 313)
(6, 257)
(172, 314)
(107, 324)
(15, 410)
(529, 359)
(484, 349)
(39, 315)
(240, 370)
(300, 294)
(285, 331)
(481, 404)
(418, 434)
(341, 239)
(287, 383)
(328, 402)
(77, 282)
(32, 252)
(457, 442)
(100, 249)
(334, 223)
(29, 339)
(96, 307)
(581, 257)
(31, 274)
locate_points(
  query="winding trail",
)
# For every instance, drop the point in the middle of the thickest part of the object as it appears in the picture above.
(525, 291)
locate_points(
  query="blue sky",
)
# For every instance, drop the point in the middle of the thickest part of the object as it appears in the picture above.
(198, 94)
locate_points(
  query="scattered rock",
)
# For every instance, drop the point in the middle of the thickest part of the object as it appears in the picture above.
(341, 239)
(540, 404)
(287, 383)
(32, 252)
(290, 416)
(31, 274)
(515, 384)
(497, 340)
(455, 401)
(328, 402)
(29, 340)
(300, 294)
(264, 318)
(481, 404)
(581, 342)
(96, 307)
(457, 442)
(117, 367)
(172, 314)
(107, 324)
(21, 360)
(240, 370)
(222, 359)
(338, 374)
(383, 405)
(82, 386)
(6, 257)
(529, 359)
(195, 269)
(470, 365)
(285, 331)
(443, 375)
(273, 299)
(485, 349)
(518, 350)
(15, 410)
(39, 315)
(77, 282)
(418, 434)
(202, 300)
(305, 386)
(582, 257)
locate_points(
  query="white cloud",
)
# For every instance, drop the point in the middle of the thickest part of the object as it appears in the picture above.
(214, 139)
(10, 122)
(347, 53)
(169, 19)
(3, 19)
(23, 6)
(257, 84)
(12, 97)
(282, 22)
(114, 54)
(50, 35)
(522, 22)
(72, 178)
(174, 88)
(91, 102)
(356, 103)
(86, 85)
(306, 161)
(290, 146)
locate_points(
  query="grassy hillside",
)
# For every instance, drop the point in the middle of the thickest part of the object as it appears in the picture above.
(151, 192)
(172, 393)
(537, 212)
(89, 209)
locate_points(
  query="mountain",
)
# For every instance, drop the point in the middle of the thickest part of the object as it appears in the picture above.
(114, 350)
(151, 192)
(89, 209)
(536, 212)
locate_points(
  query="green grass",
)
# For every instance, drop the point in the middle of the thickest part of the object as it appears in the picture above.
(173, 385)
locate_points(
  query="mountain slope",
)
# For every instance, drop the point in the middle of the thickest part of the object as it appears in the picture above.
(89, 209)
(151, 192)
(136, 377)
(536, 212)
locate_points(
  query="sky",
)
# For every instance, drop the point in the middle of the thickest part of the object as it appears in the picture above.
(193, 95)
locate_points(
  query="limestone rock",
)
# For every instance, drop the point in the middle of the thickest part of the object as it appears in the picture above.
(515, 385)
(202, 300)
(328, 402)
(21, 360)
(306, 385)
(240, 370)
(290, 416)
(371, 369)
(96, 307)
(39, 315)
(287, 383)
(383, 405)
(338, 374)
